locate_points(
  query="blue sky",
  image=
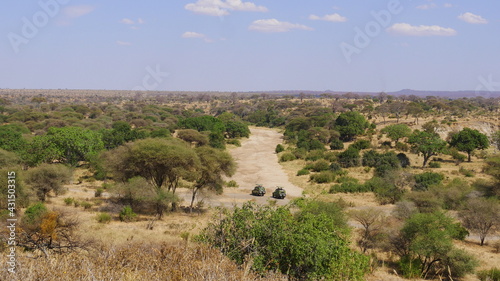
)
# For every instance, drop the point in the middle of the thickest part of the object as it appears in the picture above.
(259, 45)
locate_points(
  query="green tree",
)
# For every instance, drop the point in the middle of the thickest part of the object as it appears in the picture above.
(397, 131)
(11, 138)
(469, 140)
(351, 124)
(162, 162)
(428, 144)
(430, 241)
(48, 177)
(276, 239)
(214, 164)
(193, 136)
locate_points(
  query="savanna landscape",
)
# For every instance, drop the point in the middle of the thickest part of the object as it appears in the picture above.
(130, 185)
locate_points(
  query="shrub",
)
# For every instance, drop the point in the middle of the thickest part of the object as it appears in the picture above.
(434, 164)
(314, 155)
(127, 214)
(279, 148)
(98, 192)
(410, 267)
(335, 167)
(103, 218)
(336, 144)
(424, 180)
(232, 183)
(466, 172)
(287, 156)
(69, 201)
(234, 142)
(323, 177)
(403, 160)
(489, 275)
(349, 158)
(34, 213)
(402, 146)
(300, 153)
(320, 165)
(361, 144)
(86, 205)
(303, 172)
(348, 187)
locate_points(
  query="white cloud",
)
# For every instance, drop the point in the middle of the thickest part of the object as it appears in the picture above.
(427, 6)
(274, 25)
(448, 5)
(222, 8)
(421, 30)
(122, 43)
(191, 34)
(333, 18)
(127, 21)
(77, 11)
(471, 18)
(140, 21)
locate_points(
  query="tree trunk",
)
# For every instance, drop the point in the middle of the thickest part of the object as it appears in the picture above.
(468, 154)
(195, 191)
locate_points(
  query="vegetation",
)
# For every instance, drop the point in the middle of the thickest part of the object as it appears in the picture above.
(469, 140)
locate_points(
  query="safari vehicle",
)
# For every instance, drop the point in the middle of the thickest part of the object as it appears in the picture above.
(259, 190)
(279, 193)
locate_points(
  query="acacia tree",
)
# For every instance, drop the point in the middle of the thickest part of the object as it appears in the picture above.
(481, 216)
(214, 164)
(428, 144)
(372, 221)
(350, 124)
(397, 131)
(46, 178)
(162, 162)
(469, 140)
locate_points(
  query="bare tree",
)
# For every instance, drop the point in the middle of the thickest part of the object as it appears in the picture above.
(481, 216)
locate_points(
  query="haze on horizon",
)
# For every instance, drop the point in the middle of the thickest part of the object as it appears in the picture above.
(260, 45)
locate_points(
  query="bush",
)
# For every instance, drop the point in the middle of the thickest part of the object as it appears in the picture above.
(323, 177)
(103, 218)
(86, 205)
(361, 144)
(402, 146)
(300, 153)
(403, 160)
(283, 241)
(424, 180)
(336, 144)
(303, 172)
(335, 167)
(98, 192)
(434, 164)
(349, 158)
(234, 142)
(279, 148)
(466, 172)
(314, 155)
(287, 156)
(348, 187)
(320, 165)
(69, 201)
(410, 268)
(127, 214)
(489, 275)
(232, 183)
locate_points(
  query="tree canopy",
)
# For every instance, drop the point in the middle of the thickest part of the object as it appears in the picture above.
(469, 140)
(428, 144)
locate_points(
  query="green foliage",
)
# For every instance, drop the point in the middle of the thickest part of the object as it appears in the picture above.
(469, 140)
(403, 160)
(434, 164)
(278, 240)
(410, 267)
(427, 144)
(48, 177)
(385, 190)
(103, 218)
(127, 214)
(320, 165)
(279, 148)
(193, 136)
(383, 163)
(424, 180)
(457, 155)
(336, 144)
(397, 131)
(98, 192)
(489, 275)
(429, 237)
(315, 155)
(34, 214)
(69, 201)
(232, 183)
(361, 144)
(349, 187)
(236, 129)
(466, 172)
(121, 132)
(323, 177)
(287, 156)
(234, 142)
(11, 138)
(86, 205)
(351, 124)
(303, 172)
(481, 216)
(349, 158)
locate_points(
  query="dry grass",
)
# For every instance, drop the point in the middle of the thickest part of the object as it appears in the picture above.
(133, 262)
